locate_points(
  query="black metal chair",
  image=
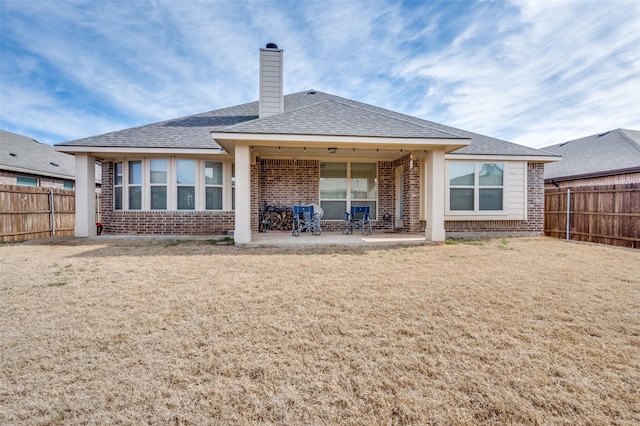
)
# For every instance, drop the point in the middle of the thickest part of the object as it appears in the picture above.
(359, 218)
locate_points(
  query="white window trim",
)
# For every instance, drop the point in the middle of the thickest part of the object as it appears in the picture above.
(172, 186)
(476, 213)
(222, 185)
(147, 188)
(349, 199)
(121, 185)
(127, 185)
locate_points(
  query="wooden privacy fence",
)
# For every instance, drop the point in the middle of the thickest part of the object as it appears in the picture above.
(35, 212)
(600, 214)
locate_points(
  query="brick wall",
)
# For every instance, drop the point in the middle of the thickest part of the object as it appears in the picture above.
(534, 225)
(10, 178)
(167, 222)
(289, 182)
(386, 196)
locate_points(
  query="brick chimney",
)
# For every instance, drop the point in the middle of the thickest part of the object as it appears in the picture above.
(271, 87)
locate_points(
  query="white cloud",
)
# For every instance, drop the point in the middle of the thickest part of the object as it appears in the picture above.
(532, 72)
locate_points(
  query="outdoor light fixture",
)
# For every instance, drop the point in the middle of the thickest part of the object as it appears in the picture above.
(333, 150)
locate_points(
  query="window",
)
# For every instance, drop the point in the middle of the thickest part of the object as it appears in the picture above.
(213, 185)
(117, 186)
(233, 186)
(158, 184)
(134, 187)
(476, 186)
(346, 184)
(186, 184)
(26, 181)
(68, 184)
(153, 184)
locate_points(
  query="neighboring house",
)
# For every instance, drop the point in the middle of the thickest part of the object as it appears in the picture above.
(212, 172)
(604, 159)
(592, 194)
(27, 162)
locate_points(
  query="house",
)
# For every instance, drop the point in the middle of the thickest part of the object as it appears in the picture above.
(211, 172)
(607, 158)
(592, 195)
(27, 162)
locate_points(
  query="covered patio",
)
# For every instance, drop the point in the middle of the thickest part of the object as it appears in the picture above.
(328, 239)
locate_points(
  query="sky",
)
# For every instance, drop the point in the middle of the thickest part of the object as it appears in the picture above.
(534, 72)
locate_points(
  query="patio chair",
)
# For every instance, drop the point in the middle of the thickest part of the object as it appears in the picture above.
(359, 218)
(306, 219)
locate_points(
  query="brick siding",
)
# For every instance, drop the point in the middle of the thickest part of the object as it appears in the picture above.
(284, 183)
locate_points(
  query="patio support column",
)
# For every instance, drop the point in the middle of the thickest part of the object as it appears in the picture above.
(242, 232)
(435, 186)
(85, 196)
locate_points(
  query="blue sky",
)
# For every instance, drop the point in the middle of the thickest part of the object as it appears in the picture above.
(532, 72)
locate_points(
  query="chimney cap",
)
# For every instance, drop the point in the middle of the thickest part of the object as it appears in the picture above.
(272, 46)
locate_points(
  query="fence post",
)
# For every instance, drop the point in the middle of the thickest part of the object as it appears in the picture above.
(568, 213)
(52, 210)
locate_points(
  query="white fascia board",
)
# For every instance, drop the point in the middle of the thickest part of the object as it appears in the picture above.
(478, 157)
(125, 151)
(37, 172)
(227, 140)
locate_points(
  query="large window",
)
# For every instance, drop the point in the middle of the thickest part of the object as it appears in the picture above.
(173, 184)
(186, 184)
(213, 178)
(134, 185)
(345, 184)
(158, 184)
(476, 186)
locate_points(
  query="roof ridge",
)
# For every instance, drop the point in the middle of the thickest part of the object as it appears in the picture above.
(226, 128)
(629, 139)
(391, 116)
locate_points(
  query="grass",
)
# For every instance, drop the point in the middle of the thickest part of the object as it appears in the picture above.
(523, 331)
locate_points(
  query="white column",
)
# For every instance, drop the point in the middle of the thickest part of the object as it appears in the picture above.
(435, 186)
(242, 233)
(85, 196)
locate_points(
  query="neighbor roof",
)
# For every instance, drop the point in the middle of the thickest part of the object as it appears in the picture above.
(609, 153)
(305, 113)
(26, 155)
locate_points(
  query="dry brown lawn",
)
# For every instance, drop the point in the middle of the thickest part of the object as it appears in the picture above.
(522, 331)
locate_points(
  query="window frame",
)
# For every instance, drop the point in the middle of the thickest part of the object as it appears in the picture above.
(166, 184)
(119, 186)
(199, 185)
(214, 185)
(129, 185)
(476, 187)
(34, 181)
(349, 201)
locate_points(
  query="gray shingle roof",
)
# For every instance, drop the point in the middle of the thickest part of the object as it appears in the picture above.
(603, 154)
(26, 155)
(308, 113)
(337, 118)
(22, 154)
